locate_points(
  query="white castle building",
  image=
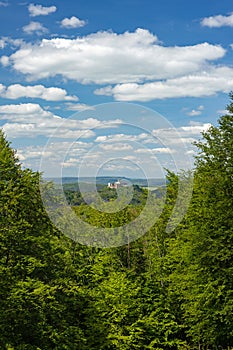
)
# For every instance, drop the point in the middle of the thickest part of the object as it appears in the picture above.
(114, 184)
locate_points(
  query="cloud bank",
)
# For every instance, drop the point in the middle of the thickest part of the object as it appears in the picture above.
(203, 83)
(112, 58)
(133, 66)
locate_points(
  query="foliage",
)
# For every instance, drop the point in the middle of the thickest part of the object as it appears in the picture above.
(168, 290)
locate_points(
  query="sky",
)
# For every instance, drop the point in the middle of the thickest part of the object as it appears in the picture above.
(112, 88)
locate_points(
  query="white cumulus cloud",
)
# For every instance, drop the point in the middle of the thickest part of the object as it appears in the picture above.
(5, 61)
(116, 147)
(194, 129)
(39, 10)
(110, 58)
(203, 83)
(183, 134)
(16, 91)
(13, 43)
(218, 21)
(2, 44)
(23, 109)
(121, 137)
(158, 150)
(79, 107)
(34, 27)
(195, 112)
(72, 22)
(30, 119)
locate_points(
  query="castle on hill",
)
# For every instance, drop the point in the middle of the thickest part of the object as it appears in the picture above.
(114, 184)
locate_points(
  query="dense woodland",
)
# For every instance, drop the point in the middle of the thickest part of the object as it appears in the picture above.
(164, 291)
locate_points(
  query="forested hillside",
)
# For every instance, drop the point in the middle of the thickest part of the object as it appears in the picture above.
(74, 196)
(163, 291)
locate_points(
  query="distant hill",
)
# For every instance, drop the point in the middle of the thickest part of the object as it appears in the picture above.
(74, 187)
(104, 180)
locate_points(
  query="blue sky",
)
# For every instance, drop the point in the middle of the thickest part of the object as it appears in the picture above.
(113, 87)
